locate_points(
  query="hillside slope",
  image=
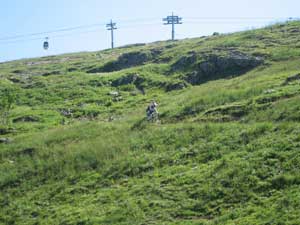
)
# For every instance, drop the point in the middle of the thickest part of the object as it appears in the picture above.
(77, 150)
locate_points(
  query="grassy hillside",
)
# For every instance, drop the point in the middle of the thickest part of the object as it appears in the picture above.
(76, 148)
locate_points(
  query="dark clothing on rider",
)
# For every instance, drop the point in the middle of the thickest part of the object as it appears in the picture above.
(151, 109)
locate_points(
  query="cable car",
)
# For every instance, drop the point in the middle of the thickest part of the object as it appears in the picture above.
(46, 43)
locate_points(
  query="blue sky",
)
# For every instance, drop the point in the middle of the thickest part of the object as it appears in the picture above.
(138, 21)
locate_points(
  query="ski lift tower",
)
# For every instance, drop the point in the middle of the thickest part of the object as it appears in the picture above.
(172, 20)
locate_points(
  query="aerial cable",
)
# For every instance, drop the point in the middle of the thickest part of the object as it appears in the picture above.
(49, 32)
(52, 37)
(68, 29)
(238, 18)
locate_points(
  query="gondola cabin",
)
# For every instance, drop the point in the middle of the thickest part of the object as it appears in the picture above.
(46, 44)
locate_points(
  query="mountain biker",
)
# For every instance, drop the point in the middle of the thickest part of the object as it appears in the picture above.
(151, 110)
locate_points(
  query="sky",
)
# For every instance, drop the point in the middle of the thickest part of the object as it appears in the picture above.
(138, 21)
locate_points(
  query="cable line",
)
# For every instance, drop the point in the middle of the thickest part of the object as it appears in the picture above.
(49, 32)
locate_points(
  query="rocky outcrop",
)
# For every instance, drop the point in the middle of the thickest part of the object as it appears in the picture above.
(5, 140)
(15, 80)
(26, 119)
(139, 83)
(133, 78)
(27, 151)
(55, 72)
(176, 86)
(204, 67)
(128, 79)
(4, 131)
(185, 62)
(127, 60)
(17, 71)
(292, 78)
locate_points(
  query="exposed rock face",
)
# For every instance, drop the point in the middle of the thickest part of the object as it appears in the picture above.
(134, 78)
(292, 78)
(176, 86)
(185, 62)
(127, 60)
(234, 110)
(72, 69)
(56, 72)
(128, 79)
(114, 93)
(18, 71)
(193, 78)
(66, 112)
(27, 151)
(214, 66)
(26, 119)
(5, 140)
(4, 131)
(15, 80)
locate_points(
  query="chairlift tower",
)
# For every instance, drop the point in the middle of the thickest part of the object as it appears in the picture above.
(172, 20)
(111, 26)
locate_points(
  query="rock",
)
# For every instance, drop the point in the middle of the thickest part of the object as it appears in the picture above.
(234, 61)
(116, 96)
(216, 66)
(35, 214)
(26, 119)
(126, 60)
(114, 93)
(130, 59)
(15, 80)
(192, 78)
(66, 112)
(27, 151)
(292, 78)
(56, 72)
(5, 140)
(176, 86)
(184, 62)
(72, 69)
(128, 79)
(269, 91)
(228, 112)
(96, 83)
(18, 71)
(118, 99)
(294, 31)
(4, 131)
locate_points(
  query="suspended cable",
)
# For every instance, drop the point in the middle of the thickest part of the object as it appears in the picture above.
(68, 29)
(49, 32)
(219, 22)
(52, 37)
(239, 18)
(138, 25)
(76, 33)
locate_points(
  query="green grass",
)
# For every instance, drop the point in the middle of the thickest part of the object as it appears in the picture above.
(224, 152)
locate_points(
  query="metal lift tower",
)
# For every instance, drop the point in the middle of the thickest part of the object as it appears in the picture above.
(172, 20)
(111, 26)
